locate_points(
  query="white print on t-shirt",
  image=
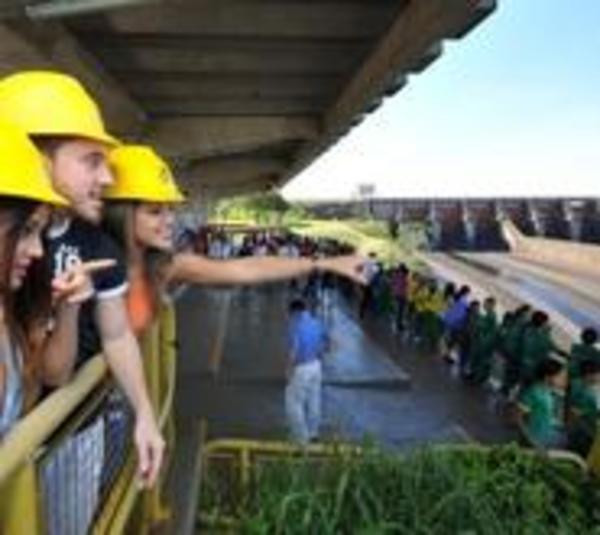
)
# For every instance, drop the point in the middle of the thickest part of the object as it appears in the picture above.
(65, 257)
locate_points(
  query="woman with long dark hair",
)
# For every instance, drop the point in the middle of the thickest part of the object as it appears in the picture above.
(25, 204)
(140, 217)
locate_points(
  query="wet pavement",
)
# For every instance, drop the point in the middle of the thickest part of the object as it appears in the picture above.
(231, 373)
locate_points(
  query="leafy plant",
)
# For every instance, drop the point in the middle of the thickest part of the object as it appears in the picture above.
(500, 491)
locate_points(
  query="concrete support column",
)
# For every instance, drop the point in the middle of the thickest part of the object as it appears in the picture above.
(538, 219)
(574, 215)
(469, 224)
(399, 214)
(500, 213)
(435, 225)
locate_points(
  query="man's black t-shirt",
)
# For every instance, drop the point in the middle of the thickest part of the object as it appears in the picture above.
(74, 241)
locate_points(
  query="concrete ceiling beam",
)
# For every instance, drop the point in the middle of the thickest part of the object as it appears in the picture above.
(210, 43)
(224, 190)
(25, 46)
(336, 18)
(17, 53)
(180, 85)
(193, 137)
(268, 62)
(222, 107)
(197, 188)
(217, 171)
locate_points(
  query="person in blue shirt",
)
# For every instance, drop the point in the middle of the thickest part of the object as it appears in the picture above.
(306, 344)
(454, 320)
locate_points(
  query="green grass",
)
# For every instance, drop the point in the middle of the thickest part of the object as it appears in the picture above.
(501, 491)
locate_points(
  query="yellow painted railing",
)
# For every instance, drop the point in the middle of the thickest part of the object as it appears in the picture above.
(21, 495)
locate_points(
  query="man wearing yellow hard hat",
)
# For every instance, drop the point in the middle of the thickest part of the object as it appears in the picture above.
(66, 125)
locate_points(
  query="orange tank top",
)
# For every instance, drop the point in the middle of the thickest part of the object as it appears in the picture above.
(140, 304)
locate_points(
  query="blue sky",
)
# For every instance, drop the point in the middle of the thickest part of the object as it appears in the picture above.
(512, 109)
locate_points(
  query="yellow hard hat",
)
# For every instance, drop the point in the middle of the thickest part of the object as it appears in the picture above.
(141, 175)
(53, 104)
(23, 172)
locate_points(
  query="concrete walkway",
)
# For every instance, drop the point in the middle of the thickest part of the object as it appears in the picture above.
(232, 348)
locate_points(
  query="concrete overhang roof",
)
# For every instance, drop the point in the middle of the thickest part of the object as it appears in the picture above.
(241, 95)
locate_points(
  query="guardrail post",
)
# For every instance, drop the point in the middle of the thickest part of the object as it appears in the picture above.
(158, 347)
(168, 352)
(593, 459)
(19, 504)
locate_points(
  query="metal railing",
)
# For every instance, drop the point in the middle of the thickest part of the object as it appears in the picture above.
(69, 465)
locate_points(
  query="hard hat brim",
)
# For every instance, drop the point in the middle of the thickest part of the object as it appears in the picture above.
(46, 197)
(106, 139)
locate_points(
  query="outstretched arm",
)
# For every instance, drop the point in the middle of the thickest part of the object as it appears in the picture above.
(193, 268)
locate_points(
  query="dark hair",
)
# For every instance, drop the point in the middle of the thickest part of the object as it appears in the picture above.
(589, 336)
(489, 301)
(523, 309)
(297, 305)
(589, 367)
(464, 290)
(118, 223)
(508, 317)
(522, 313)
(449, 290)
(539, 318)
(548, 368)
(31, 302)
(48, 145)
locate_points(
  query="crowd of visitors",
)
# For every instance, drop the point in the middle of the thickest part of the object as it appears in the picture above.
(555, 392)
(222, 241)
(552, 393)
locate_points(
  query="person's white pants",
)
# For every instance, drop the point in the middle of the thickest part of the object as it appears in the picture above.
(303, 401)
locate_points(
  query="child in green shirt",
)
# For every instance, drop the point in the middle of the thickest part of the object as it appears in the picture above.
(538, 346)
(583, 407)
(484, 342)
(540, 405)
(511, 341)
(586, 349)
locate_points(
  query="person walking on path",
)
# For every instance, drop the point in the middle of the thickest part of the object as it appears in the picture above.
(307, 343)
